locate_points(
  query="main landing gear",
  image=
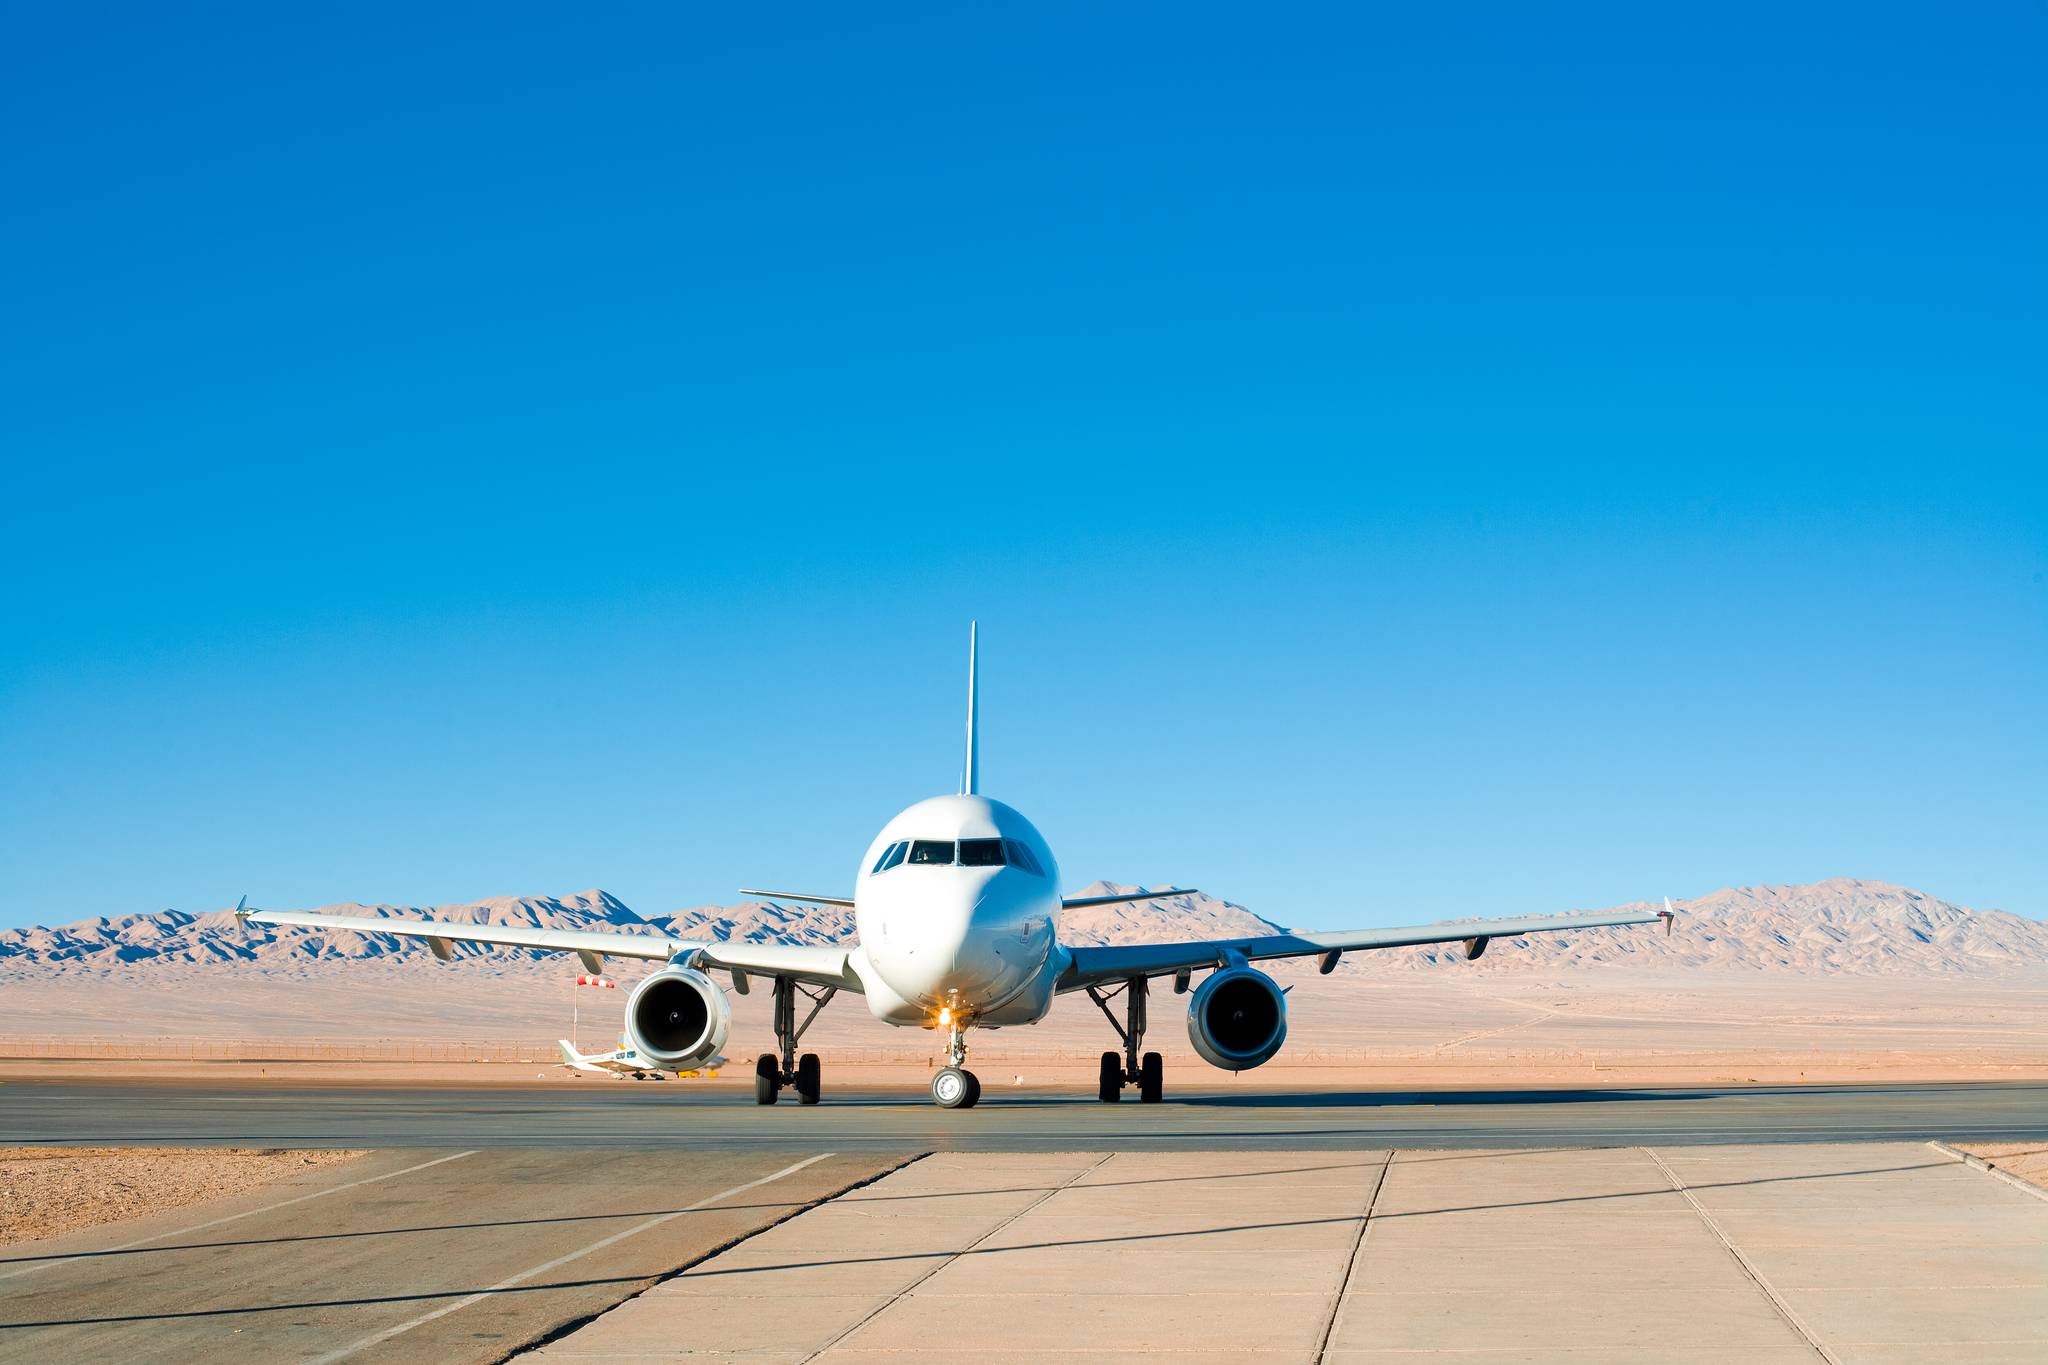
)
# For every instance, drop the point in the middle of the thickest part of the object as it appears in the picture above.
(1147, 1072)
(953, 1085)
(771, 1073)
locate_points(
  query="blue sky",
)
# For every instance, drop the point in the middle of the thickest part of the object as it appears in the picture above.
(1404, 464)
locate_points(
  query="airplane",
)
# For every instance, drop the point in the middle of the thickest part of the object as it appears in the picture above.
(954, 905)
(625, 1061)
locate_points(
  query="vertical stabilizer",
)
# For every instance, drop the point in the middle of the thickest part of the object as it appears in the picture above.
(970, 777)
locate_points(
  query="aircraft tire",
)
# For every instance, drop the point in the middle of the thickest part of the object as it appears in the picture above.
(808, 1080)
(973, 1091)
(1109, 1083)
(953, 1088)
(1152, 1078)
(767, 1078)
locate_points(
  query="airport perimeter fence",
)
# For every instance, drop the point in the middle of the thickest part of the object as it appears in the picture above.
(276, 1050)
(392, 1050)
(59, 1047)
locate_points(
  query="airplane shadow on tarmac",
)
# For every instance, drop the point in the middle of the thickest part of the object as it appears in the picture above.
(1428, 1099)
(1384, 1099)
(1336, 1099)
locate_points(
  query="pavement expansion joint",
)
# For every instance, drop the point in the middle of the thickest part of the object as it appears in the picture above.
(982, 1240)
(531, 1272)
(795, 1211)
(1351, 1264)
(1749, 1267)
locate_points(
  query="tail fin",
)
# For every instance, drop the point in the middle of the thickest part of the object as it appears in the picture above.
(569, 1054)
(970, 777)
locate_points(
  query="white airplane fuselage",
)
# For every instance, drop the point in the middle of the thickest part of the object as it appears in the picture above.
(972, 934)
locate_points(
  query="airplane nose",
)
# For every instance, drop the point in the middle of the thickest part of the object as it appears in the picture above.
(968, 951)
(965, 958)
(971, 962)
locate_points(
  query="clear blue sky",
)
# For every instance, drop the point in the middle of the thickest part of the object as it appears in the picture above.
(1404, 463)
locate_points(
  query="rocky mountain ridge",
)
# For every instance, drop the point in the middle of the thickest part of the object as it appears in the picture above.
(1837, 927)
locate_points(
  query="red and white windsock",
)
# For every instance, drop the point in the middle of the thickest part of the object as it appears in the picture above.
(603, 982)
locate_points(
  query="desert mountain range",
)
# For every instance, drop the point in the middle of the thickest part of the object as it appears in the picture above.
(1836, 927)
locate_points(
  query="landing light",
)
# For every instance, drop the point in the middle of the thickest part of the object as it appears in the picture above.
(945, 1017)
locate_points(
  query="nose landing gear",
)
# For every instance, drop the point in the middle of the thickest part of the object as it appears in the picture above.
(1147, 1072)
(953, 1088)
(953, 1085)
(802, 1074)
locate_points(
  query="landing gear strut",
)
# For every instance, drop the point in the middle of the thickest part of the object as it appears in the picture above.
(771, 1073)
(953, 1085)
(1148, 1072)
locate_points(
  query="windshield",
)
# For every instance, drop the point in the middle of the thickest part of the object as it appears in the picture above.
(932, 851)
(981, 853)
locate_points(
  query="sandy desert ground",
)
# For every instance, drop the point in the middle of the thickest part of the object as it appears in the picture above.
(1575, 1026)
(47, 1192)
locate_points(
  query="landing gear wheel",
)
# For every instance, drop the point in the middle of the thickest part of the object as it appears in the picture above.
(1109, 1083)
(1152, 1078)
(807, 1079)
(767, 1078)
(973, 1091)
(953, 1088)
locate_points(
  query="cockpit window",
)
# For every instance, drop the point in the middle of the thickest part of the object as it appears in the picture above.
(1020, 856)
(981, 853)
(891, 855)
(931, 851)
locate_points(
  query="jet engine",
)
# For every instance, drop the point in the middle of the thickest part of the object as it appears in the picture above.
(1237, 1019)
(678, 1018)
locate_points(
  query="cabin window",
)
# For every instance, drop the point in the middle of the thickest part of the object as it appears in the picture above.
(1020, 856)
(931, 851)
(891, 856)
(981, 853)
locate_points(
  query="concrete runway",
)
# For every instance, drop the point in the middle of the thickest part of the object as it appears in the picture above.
(620, 1115)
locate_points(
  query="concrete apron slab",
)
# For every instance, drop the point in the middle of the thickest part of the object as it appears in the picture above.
(454, 1257)
(1099, 1252)
(1591, 1257)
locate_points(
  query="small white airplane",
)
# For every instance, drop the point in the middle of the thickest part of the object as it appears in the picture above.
(954, 903)
(625, 1061)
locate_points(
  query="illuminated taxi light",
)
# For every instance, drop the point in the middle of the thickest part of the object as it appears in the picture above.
(945, 1017)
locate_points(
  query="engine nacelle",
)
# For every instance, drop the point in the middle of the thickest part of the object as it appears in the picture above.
(1237, 1019)
(678, 1018)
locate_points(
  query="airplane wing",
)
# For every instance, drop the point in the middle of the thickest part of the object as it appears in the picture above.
(1120, 963)
(817, 966)
(1127, 896)
(1064, 905)
(793, 896)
